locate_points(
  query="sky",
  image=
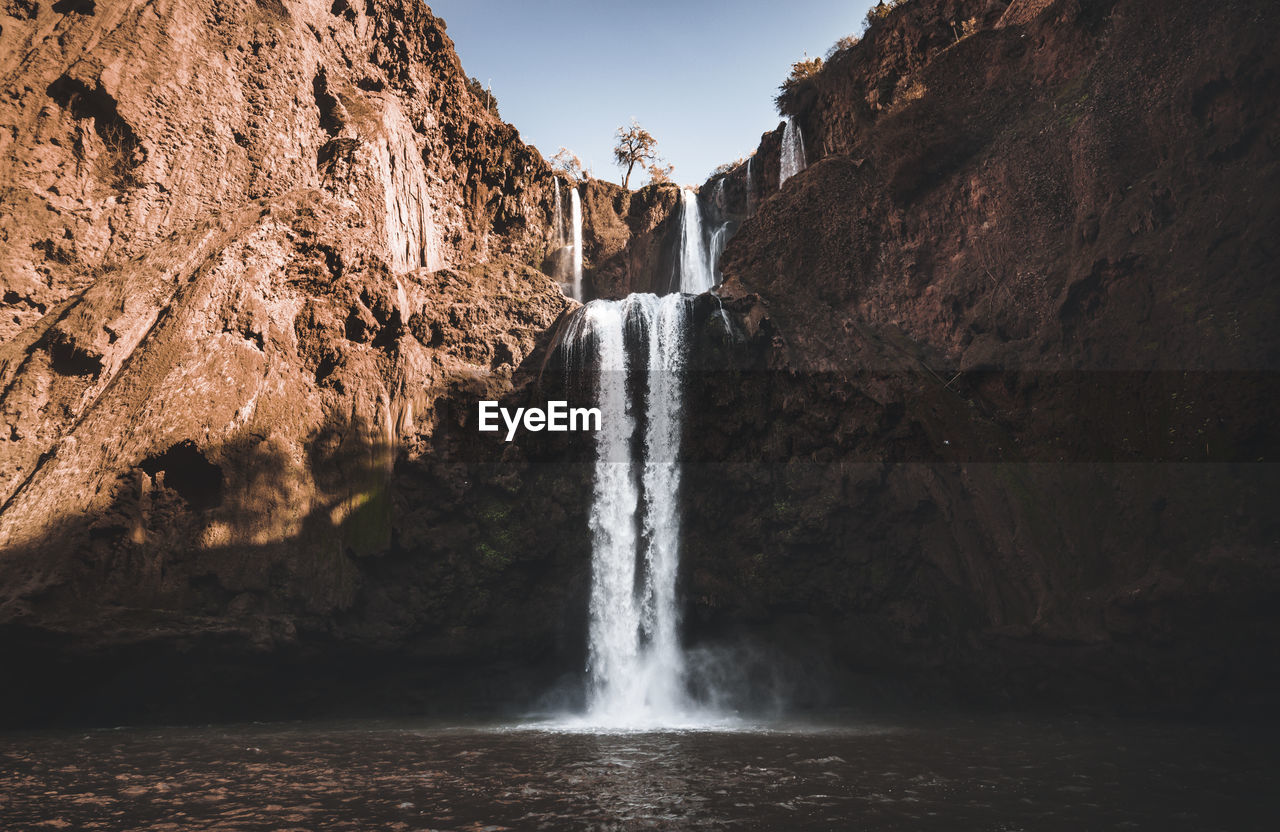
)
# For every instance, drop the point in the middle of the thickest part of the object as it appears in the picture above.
(698, 74)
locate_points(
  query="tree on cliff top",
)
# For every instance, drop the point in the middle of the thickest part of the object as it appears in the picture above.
(636, 146)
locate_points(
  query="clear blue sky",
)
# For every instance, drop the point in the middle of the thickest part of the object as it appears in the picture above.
(698, 74)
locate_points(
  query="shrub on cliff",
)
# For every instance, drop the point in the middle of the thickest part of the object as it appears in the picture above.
(845, 43)
(484, 96)
(729, 166)
(660, 172)
(879, 12)
(803, 73)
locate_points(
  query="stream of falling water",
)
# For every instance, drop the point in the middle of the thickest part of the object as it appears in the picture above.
(560, 241)
(575, 210)
(694, 271)
(721, 235)
(793, 160)
(635, 352)
(635, 664)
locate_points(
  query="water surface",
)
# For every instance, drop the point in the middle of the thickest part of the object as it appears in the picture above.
(938, 773)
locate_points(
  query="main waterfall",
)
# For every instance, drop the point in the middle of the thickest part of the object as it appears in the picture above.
(636, 348)
(632, 355)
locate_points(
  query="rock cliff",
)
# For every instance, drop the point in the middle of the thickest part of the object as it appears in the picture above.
(243, 284)
(1014, 362)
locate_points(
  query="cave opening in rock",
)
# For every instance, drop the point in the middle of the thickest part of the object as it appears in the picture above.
(188, 472)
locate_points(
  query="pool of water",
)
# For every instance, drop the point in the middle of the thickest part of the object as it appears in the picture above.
(943, 773)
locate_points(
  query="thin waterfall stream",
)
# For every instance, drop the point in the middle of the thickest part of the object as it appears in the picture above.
(575, 211)
(694, 272)
(793, 158)
(559, 212)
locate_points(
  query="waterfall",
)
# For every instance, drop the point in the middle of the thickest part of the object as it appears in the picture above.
(721, 235)
(694, 274)
(751, 187)
(614, 638)
(560, 242)
(792, 152)
(635, 664)
(633, 353)
(575, 202)
(667, 320)
(718, 239)
(718, 198)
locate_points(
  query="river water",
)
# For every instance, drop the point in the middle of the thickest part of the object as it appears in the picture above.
(939, 773)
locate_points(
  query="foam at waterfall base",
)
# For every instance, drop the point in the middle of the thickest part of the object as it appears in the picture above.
(642, 721)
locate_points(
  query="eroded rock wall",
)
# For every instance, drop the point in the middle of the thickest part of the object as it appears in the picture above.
(127, 123)
(1004, 427)
(259, 261)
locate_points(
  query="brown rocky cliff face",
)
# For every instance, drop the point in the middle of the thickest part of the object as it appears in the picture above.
(1012, 322)
(244, 288)
(629, 239)
(108, 152)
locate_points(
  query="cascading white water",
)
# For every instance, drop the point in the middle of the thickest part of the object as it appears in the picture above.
(721, 235)
(793, 160)
(718, 198)
(560, 243)
(751, 186)
(575, 202)
(694, 273)
(667, 320)
(614, 638)
(636, 669)
(718, 239)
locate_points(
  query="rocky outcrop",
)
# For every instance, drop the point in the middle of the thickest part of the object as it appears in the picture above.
(107, 153)
(1013, 363)
(628, 239)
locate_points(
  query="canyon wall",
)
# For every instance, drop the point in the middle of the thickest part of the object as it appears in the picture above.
(253, 252)
(1006, 426)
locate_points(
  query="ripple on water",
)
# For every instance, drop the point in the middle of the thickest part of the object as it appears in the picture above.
(937, 774)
